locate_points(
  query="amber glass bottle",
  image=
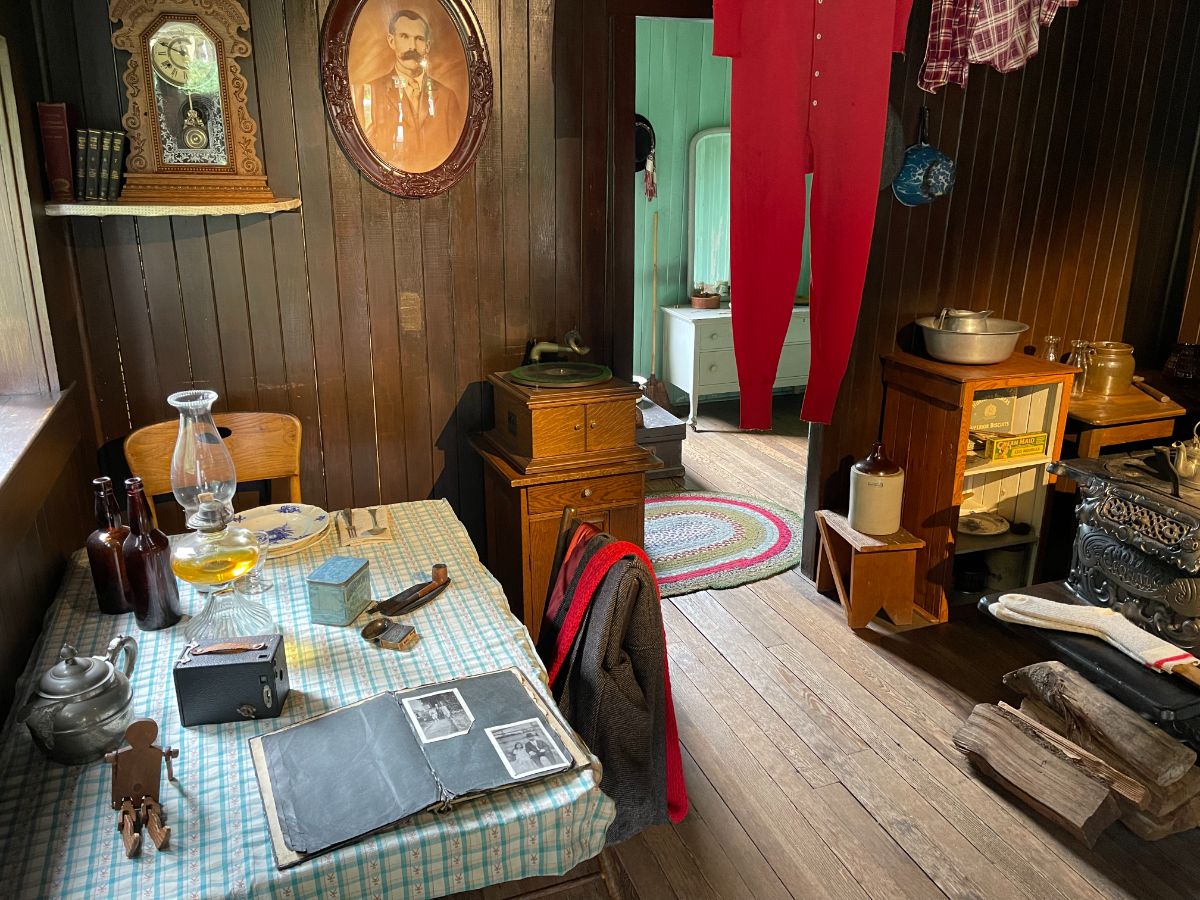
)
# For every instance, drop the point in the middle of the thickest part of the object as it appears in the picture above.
(105, 554)
(148, 565)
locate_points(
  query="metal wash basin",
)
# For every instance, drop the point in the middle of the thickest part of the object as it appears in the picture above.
(561, 374)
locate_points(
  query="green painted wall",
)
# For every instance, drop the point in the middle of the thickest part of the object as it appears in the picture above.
(682, 89)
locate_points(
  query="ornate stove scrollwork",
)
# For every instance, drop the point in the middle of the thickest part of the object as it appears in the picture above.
(1137, 554)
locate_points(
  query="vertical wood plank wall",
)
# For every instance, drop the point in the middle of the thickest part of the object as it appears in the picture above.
(1071, 183)
(373, 319)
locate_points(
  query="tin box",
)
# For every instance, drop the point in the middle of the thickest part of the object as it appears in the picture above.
(231, 680)
(338, 590)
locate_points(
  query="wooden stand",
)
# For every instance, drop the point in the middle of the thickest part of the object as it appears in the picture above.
(926, 428)
(870, 572)
(551, 449)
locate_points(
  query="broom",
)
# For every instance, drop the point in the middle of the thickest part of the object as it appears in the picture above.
(654, 389)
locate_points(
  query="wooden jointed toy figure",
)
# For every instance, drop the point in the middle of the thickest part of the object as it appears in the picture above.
(137, 772)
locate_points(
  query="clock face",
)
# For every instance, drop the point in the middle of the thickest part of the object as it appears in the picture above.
(185, 72)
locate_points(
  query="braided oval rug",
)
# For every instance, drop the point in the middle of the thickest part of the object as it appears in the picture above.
(699, 540)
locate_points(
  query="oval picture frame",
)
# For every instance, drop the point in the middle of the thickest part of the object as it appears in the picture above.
(344, 100)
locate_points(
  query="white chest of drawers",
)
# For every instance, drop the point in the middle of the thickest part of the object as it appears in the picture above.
(698, 353)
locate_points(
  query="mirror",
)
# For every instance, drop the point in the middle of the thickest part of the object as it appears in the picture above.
(708, 206)
(708, 212)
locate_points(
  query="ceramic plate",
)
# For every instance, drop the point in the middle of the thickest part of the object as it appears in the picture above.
(289, 525)
(982, 524)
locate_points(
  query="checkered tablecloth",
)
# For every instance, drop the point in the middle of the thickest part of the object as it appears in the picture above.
(58, 834)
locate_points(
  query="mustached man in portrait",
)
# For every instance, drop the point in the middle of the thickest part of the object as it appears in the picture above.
(412, 120)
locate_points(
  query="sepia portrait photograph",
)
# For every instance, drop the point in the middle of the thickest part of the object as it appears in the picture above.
(409, 82)
(525, 748)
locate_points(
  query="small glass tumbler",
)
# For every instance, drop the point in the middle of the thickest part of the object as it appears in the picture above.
(1052, 350)
(256, 582)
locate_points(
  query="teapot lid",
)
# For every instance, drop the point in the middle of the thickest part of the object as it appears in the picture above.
(73, 674)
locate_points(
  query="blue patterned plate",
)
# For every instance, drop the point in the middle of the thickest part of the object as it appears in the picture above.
(289, 525)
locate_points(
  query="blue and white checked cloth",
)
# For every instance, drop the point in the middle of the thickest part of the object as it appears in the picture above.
(58, 836)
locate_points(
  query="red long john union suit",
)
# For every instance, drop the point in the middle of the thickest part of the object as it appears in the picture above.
(810, 89)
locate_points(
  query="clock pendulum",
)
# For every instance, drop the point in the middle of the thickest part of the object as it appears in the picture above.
(195, 135)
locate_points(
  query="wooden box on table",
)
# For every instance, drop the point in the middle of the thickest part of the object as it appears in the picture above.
(553, 448)
(926, 425)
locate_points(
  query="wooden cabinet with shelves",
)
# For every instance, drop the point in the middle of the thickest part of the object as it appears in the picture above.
(926, 428)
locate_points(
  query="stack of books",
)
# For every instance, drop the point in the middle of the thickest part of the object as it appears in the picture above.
(98, 157)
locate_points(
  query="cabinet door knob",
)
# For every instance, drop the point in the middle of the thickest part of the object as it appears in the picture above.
(712, 335)
(592, 424)
(712, 368)
(587, 492)
(578, 427)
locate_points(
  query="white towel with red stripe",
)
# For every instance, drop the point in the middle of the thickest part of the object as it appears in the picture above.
(1106, 624)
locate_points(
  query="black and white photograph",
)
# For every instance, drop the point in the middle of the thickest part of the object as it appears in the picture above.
(439, 715)
(526, 748)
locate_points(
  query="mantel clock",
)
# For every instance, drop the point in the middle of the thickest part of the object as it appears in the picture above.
(191, 138)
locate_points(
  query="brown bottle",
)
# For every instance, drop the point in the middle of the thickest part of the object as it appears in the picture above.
(147, 552)
(105, 554)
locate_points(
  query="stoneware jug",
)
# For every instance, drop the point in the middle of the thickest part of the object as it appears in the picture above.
(876, 493)
(82, 704)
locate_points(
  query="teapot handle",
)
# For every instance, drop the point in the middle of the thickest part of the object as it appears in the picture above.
(129, 645)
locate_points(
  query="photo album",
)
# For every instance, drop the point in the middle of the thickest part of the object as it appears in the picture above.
(342, 775)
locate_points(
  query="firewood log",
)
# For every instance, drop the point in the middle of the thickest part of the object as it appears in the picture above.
(1161, 801)
(1151, 754)
(1153, 828)
(1056, 787)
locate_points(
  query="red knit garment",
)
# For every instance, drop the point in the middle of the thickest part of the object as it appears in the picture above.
(593, 574)
(810, 88)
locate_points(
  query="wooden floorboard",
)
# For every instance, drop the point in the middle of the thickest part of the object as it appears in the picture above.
(820, 761)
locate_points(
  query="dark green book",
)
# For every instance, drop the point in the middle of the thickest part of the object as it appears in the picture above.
(115, 164)
(106, 142)
(91, 189)
(80, 163)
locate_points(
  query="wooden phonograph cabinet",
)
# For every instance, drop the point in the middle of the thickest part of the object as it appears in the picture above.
(552, 448)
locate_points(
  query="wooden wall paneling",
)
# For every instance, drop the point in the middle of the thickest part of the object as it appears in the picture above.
(1100, 154)
(465, 464)
(491, 228)
(346, 187)
(334, 480)
(164, 305)
(233, 319)
(414, 362)
(194, 267)
(101, 106)
(1056, 204)
(512, 57)
(621, 178)
(594, 314)
(381, 289)
(278, 150)
(543, 172)
(568, 170)
(440, 346)
(1166, 196)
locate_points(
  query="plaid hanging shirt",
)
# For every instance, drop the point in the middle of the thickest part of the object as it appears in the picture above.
(1000, 33)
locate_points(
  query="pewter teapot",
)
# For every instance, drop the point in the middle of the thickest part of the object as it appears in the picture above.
(82, 704)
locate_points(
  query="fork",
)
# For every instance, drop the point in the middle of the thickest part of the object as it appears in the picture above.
(348, 518)
(373, 511)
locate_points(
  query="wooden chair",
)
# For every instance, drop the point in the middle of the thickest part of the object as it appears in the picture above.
(264, 446)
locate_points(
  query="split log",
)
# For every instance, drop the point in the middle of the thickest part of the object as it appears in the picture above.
(1128, 789)
(1151, 754)
(1154, 828)
(1161, 801)
(1054, 786)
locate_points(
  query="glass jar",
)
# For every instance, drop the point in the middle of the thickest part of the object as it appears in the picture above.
(201, 463)
(211, 558)
(1052, 350)
(1110, 370)
(1081, 353)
